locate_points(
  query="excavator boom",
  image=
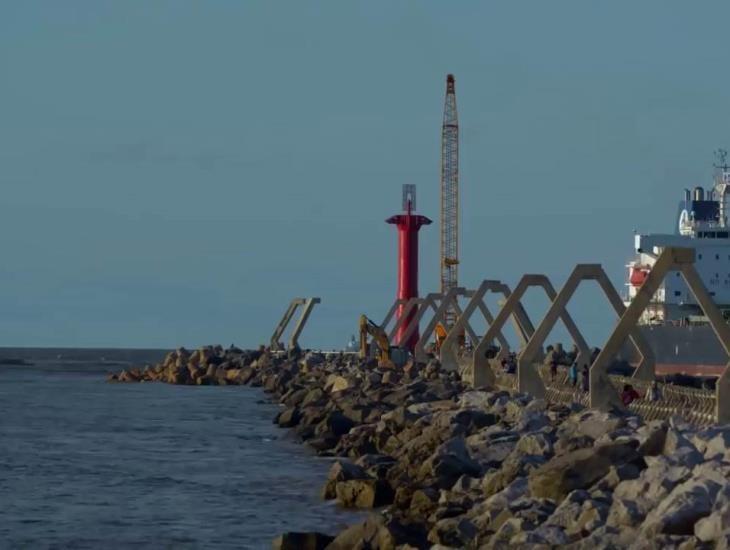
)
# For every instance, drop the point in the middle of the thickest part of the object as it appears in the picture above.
(380, 339)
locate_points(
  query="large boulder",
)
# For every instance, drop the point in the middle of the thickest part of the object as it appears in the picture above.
(652, 437)
(357, 442)
(615, 539)
(713, 442)
(476, 399)
(450, 461)
(680, 449)
(294, 396)
(357, 412)
(363, 493)
(337, 423)
(633, 499)
(315, 396)
(711, 528)
(128, 376)
(487, 453)
(683, 508)
(301, 541)
(593, 515)
(544, 536)
(289, 418)
(592, 423)
(579, 469)
(455, 532)
(423, 502)
(341, 471)
(513, 467)
(487, 512)
(336, 383)
(538, 443)
(376, 465)
(569, 509)
(381, 533)
(473, 419)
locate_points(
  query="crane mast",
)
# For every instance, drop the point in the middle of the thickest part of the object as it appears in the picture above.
(449, 195)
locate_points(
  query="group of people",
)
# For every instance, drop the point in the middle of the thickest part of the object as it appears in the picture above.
(573, 375)
(509, 364)
(628, 394)
(557, 356)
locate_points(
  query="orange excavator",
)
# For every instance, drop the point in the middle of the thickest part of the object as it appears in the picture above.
(380, 340)
(440, 336)
(388, 356)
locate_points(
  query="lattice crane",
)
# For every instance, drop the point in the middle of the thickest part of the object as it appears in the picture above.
(449, 195)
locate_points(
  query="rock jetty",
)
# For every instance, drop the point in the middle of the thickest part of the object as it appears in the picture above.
(446, 466)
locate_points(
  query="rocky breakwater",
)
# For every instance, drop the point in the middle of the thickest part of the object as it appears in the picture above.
(207, 366)
(450, 467)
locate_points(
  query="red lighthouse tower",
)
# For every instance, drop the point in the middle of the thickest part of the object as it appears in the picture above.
(408, 225)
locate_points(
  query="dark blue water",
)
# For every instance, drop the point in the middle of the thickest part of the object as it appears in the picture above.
(87, 464)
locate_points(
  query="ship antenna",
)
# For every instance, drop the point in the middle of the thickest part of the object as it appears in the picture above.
(721, 156)
(722, 184)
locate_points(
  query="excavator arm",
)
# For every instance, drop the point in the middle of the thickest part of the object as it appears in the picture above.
(440, 336)
(380, 339)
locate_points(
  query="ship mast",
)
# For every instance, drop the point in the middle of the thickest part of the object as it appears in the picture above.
(722, 183)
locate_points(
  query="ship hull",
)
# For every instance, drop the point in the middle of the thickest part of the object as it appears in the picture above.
(689, 350)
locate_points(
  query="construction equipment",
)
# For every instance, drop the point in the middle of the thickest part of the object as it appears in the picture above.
(388, 356)
(441, 335)
(449, 260)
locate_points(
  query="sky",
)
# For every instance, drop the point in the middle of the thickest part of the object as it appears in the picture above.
(174, 172)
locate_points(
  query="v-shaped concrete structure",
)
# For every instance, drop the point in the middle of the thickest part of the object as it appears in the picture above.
(413, 304)
(431, 301)
(391, 312)
(307, 305)
(450, 302)
(529, 380)
(670, 259)
(449, 347)
(483, 374)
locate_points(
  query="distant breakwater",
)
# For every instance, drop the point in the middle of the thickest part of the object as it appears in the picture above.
(444, 464)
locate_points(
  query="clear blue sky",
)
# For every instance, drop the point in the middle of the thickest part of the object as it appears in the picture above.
(174, 172)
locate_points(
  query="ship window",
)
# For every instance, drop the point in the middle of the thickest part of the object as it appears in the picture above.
(712, 293)
(677, 293)
(699, 256)
(710, 234)
(722, 235)
(717, 256)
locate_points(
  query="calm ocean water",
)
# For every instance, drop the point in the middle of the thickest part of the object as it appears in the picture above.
(87, 464)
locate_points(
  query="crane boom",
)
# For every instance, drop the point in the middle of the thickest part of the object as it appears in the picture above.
(449, 195)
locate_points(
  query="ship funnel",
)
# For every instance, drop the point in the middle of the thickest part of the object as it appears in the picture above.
(687, 195)
(699, 194)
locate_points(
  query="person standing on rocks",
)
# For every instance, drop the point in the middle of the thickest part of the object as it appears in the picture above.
(584, 380)
(553, 370)
(573, 373)
(654, 393)
(629, 395)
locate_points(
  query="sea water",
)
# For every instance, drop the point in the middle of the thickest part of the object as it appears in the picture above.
(89, 464)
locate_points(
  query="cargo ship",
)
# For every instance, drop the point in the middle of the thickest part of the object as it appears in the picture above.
(674, 325)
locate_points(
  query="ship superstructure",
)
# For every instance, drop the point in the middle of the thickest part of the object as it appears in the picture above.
(702, 225)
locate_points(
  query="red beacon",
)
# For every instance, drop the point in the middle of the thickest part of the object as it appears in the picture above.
(408, 225)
